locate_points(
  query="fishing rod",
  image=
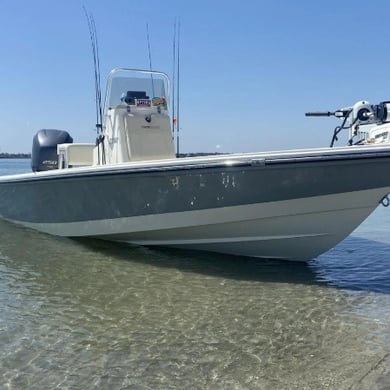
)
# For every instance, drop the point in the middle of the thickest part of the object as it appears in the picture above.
(98, 92)
(150, 58)
(178, 90)
(176, 84)
(174, 78)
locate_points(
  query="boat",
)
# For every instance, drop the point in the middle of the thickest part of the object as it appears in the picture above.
(130, 185)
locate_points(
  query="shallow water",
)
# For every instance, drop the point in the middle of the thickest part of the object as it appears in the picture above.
(88, 314)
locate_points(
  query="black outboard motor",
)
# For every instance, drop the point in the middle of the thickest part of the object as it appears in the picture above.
(44, 150)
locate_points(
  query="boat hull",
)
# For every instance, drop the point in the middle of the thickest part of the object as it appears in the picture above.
(293, 206)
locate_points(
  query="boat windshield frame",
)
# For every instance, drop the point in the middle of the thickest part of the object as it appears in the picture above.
(154, 78)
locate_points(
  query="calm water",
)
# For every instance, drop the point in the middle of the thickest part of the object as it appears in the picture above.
(94, 315)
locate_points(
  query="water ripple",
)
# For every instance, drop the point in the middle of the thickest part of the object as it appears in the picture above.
(94, 315)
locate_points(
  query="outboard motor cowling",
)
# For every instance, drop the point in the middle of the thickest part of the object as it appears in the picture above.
(44, 149)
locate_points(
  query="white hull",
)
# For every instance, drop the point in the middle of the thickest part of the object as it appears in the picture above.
(297, 229)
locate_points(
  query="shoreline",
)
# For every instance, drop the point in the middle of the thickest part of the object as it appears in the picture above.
(15, 155)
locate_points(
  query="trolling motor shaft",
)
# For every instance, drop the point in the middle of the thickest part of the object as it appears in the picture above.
(338, 113)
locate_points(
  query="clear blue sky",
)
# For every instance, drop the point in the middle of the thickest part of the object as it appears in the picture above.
(249, 69)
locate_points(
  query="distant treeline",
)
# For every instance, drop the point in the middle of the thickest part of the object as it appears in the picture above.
(28, 155)
(15, 155)
(198, 154)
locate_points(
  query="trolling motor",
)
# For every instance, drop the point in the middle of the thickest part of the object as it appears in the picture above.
(361, 114)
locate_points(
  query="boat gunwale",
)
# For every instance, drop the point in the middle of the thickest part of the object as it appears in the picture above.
(260, 159)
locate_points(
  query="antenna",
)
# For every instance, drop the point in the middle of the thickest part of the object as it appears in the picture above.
(98, 92)
(150, 57)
